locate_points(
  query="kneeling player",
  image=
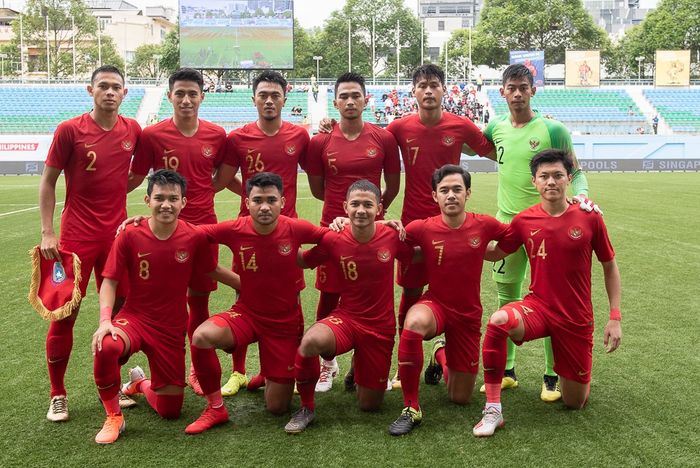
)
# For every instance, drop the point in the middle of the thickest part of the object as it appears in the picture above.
(453, 246)
(268, 310)
(364, 320)
(159, 257)
(559, 239)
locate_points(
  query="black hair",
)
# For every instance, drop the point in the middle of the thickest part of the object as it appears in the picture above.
(449, 169)
(426, 71)
(364, 185)
(166, 177)
(264, 179)
(186, 74)
(351, 77)
(552, 156)
(517, 71)
(270, 76)
(106, 69)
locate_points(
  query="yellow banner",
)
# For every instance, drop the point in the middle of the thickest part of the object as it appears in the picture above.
(672, 68)
(582, 68)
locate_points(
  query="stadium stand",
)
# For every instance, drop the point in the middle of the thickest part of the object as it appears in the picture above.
(680, 108)
(378, 92)
(584, 111)
(34, 110)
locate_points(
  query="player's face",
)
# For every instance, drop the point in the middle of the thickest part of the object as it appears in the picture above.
(428, 92)
(451, 195)
(265, 204)
(350, 100)
(362, 208)
(269, 99)
(551, 181)
(108, 91)
(517, 92)
(186, 97)
(166, 202)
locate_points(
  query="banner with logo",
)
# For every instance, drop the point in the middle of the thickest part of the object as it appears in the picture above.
(672, 68)
(582, 68)
(24, 147)
(532, 59)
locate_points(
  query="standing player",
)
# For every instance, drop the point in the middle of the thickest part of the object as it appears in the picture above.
(560, 240)
(364, 320)
(196, 149)
(352, 151)
(453, 246)
(266, 145)
(158, 257)
(268, 310)
(518, 136)
(94, 151)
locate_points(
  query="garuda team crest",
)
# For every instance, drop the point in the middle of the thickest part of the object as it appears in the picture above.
(207, 151)
(371, 152)
(290, 149)
(448, 140)
(285, 249)
(384, 255)
(575, 232)
(474, 241)
(534, 143)
(182, 256)
(127, 145)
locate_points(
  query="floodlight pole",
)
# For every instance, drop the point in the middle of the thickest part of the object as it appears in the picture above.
(639, 59)
(374, 80)
(72, 23)
(2, 65)
(157, 58)
(318, 59)
(48, 57)
(398, 54)
(349, 46)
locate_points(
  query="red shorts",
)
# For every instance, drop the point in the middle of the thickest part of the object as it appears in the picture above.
(164, 348)
(93, 256)
(462, 336)
(201, 282)
(327, 279)
(572, 345)
(412, 276)
(278, 348)
(373, 350)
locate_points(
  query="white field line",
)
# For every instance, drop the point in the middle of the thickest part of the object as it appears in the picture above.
(35, 207)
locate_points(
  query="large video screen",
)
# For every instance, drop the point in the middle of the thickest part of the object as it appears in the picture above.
(237, 34)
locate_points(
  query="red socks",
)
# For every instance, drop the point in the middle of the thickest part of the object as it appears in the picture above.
(494, 356)
(199, 312)
(327, 302)
(208, 369)
(441, 358)
(59, 342)
(106, 370)
(406, 303)
(410, 366)
(167, 406)
(306, 372)
(238, 356)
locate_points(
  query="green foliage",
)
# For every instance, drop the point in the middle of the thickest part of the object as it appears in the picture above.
(304, 50)
(170, 49)
(144, 64)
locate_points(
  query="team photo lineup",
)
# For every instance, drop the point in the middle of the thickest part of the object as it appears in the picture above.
(156, 275)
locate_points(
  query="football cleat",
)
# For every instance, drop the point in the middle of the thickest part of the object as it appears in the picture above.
(409, 419)
(433, 373)
(300, 420)
(325, 380)
(509, 381)
(114, 425)
(256, 382)
(396, 382)
(235, 383)
(492, 420)
(349, 381)
(131, 388)
(125, 401)
(550, 389)
(58, 409)
(210, 417)
(194, 382)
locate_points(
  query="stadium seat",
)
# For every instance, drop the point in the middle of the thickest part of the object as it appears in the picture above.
(680, 108)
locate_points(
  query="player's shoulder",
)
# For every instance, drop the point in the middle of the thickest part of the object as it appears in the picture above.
(324, 138)
(156, 128)
(295, 130)
(211, 127)
(73, 124)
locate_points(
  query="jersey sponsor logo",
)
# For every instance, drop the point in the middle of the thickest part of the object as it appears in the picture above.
(342, 259)
(534, 143)
(384, 255)
(285, 249)
(167, 151)
(127, 145)
(58, 275)
(409, 140)
(372, 152)
(575, 232)
(251, 150)
(141, 255)
(181, 256)
(247, 247)
(207, 151)
(474, 241)
(89, 145)
(290, 149)
(533, 232)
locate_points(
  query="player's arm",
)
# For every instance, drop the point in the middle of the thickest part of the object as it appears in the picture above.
(494, 253)
(226, 276)
(317, 186)
(224, 175)
(315, 166)
(613, 330)
(392, 184)
(134, 181)
(47, 206)
(142, 161)
(236, 185)
(108, 293)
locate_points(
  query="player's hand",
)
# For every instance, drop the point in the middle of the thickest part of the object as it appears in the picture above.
(133, 219)
(326, 125)
(105, 328)
(612, 335)
(398, 225)
(586, 204)
(49, 247)
(338, 224)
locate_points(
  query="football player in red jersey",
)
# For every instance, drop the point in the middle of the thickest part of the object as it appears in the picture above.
(353, 150)
(453, 245)
(94, 152)
(269, 144)
(364, 320)
(559, 239)
(159, 257)
(196, 149)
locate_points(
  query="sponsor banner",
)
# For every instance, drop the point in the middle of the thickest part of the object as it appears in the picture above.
(672, 68)
(582, 68)
(532, 59)
(24, 147)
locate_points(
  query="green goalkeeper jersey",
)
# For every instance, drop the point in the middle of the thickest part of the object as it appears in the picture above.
(515, 148)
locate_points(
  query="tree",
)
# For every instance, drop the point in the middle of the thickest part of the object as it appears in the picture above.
(549, 25)
(170, 50)
(145, 63)
(304, 51)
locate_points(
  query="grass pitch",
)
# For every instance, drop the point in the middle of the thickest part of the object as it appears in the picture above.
(643, 409)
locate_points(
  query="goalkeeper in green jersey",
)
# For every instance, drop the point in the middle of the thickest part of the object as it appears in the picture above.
(517, 137)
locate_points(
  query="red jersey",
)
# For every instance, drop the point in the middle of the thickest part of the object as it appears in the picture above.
(267, 265)
(454, 259)
(560, 251)
(159, 271)
(425, 149)
(366, 273)
(342, 162)
(163, 146)
(96, 165)
(254, 151)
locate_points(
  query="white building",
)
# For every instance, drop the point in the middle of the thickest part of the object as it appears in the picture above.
(442, 17)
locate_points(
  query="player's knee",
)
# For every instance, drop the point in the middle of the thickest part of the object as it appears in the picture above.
(417, 323)
(277, 406)
(312, 344)
(459, 398)
(203, 337)
(369, 405)
(170, 406)
(500, 317)
(573, 403)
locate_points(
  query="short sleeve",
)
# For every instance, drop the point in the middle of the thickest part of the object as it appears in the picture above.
(488, 132)
(61, 147)
(511, 239)
(392, 161)
(143, 156)
(117, 259)
(308, 233)
(601, 242)
(304, 148)
(204, 260)
(476, 140)
(414, 231)
(559, 135)
(221, 154)
(232, 145)
(314, 156)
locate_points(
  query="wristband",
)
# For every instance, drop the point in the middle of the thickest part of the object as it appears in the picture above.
(615, 314)
(106, 313)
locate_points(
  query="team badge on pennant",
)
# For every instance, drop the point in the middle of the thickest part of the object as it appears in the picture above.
(285, 249)
(384, 255)
(181, 256)
(54, 291)
(575, 232)
(474, 241)
(207, 151)
(534, 143)
(371, 152)
(290, 149)
(127, 145)
(448, 140)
